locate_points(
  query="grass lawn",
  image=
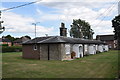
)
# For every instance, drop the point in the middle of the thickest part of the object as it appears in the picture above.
(102, 65)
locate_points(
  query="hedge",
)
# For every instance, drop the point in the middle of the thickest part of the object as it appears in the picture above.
(11, 49)
(4, 44)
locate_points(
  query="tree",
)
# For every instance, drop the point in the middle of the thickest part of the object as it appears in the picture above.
(9, 37)
(1, 27)
(81, 29)
(28, 37)
(116, 25)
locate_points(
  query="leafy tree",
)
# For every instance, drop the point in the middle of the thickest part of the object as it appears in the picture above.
(1, 27)
(13, 38)
(116, 25)
(9, 37)
(81, 29)
(28, 37)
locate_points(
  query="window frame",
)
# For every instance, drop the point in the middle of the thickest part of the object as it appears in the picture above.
(67, 49)
(35, 47)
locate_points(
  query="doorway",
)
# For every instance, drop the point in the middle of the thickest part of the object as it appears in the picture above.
(73, 54)
(81, 51)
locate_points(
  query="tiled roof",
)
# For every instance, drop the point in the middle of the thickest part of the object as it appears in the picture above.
(22, 39)
(18, 41)
(61, 39)
(4, 40)
(35, 40)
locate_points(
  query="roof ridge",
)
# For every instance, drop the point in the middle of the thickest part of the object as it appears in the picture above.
(62, 39)
(45, 39)
(59, 38)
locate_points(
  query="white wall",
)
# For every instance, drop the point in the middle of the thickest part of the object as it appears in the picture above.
(92, 49)
(67, 48)
(96, 47)
(100, 48)
(78, 49)
(106, 48)
(85, 49)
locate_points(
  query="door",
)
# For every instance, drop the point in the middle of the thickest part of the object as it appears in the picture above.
(81, 51)
(73, 54)
(44, 52)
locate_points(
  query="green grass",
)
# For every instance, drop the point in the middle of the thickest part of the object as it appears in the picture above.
(102, 65)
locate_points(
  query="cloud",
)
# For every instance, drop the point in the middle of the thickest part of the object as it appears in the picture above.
(73, 3)
(16, 23)
(66, 10)
(58, 0)
(92, 11)
(77, 1)
(77, 10)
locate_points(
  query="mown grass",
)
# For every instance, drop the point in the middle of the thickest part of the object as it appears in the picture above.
(102, 65)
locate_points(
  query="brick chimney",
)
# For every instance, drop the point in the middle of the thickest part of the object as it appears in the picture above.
(63, 30)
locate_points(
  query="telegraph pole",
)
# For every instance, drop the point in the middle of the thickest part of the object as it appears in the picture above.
(35, 24)
(35, 28)
(1, 28)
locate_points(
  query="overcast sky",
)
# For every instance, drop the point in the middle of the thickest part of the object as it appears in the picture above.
(50, 13)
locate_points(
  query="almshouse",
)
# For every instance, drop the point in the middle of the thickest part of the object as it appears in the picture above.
(61, 47)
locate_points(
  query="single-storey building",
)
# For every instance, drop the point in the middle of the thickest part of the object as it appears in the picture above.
(61, 47)
(109, 40)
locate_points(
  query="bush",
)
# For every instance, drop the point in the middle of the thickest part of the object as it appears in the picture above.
(11, 49)
(4, 44)
(97, 52)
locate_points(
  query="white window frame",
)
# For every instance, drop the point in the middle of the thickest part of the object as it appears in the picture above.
(67, 48)
(35, 47)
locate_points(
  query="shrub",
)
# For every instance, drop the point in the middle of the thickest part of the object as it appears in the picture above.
(11, 49)
(97, 51)
(4, 44)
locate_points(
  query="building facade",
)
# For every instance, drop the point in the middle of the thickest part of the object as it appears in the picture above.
(109, 39)
(60, 48)
(19, 41)
(5, 41)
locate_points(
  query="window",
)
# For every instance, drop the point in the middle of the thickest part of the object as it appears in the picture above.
(67, 48)
(35, 47)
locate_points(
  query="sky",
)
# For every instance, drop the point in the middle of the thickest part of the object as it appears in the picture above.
(48, 14)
